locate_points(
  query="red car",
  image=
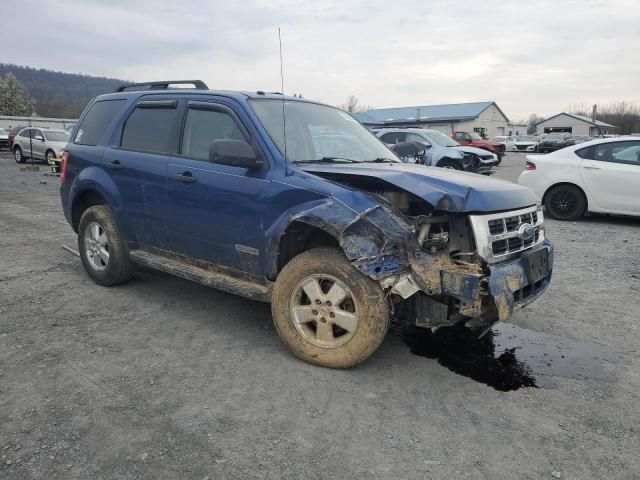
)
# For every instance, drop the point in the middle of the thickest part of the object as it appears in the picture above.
(472, 139)
(12, 134)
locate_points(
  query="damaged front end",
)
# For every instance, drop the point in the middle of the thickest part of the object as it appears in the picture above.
(439, 267)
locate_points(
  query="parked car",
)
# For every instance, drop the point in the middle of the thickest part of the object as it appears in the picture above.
(44, 144)
(597, 176)
(4, 138)
(442, 151)
(555, 141)
(523, 143)
(12, 134)
(472, 139)
(500, 139)
(211, 186)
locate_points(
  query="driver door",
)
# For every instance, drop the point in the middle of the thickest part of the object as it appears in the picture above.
(612, 175)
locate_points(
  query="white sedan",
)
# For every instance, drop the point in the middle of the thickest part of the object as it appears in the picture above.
(597, 176)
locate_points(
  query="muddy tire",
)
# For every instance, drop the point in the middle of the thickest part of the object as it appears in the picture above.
(565, 202)
(103, 251)
(326, 312)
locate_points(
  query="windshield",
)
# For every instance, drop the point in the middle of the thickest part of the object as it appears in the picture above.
(57, 136)
(441, 139)
(525, 138)
(475, 136)
(555, 135)
(317, 132)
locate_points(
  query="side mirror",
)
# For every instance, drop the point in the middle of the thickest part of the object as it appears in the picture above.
(235, 153)
(39, 137)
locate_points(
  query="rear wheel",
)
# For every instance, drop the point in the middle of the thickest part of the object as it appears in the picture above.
(326, 312)
(49, 157)
(565, 202)
(17, 154)
(102, 249)
(449, 164)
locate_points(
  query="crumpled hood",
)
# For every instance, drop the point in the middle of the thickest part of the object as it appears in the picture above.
(476, 151)
(446, 190)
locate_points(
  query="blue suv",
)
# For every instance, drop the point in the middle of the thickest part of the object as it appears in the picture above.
(293, 202)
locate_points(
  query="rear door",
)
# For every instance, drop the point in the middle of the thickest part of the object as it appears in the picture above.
(611, 173)
(214, 212)
(137, 163)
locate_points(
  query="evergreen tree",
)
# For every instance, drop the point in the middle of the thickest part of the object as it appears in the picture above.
(15, 99)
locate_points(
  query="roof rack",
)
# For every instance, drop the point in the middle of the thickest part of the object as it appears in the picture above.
(161, 85)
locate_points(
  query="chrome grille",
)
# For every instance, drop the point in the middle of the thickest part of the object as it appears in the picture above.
(501, 236)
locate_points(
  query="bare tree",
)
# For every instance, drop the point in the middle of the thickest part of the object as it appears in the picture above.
(534, 119)
(353, 105)
(624, 115)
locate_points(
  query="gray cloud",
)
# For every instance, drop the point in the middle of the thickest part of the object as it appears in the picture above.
(536, 56)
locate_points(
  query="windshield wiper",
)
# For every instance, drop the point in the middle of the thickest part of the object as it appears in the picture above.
(330, 160)
(383, 160)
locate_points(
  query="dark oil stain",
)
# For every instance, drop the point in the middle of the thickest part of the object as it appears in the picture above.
(509, 357)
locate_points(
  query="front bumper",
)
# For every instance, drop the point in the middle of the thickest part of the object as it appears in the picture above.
(477, 299)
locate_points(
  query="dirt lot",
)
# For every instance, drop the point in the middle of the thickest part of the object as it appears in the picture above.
(162, 378)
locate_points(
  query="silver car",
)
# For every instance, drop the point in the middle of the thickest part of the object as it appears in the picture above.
(45, 144)
(442, 151)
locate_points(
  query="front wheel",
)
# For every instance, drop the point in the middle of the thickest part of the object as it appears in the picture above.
(449, 164)
(17, 154)
(565, 202)
(102, 249)
(326, 312)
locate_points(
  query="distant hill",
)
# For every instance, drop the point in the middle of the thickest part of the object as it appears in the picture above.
(58, 94)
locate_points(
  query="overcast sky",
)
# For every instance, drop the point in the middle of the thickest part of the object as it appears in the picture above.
(528, 56)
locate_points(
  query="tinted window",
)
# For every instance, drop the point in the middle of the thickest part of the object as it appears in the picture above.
(149, 129)
(96, 121)
(202, 127)
(618, 152)
(393, 138)
(24, 133)
(414, 137)
(586, 153)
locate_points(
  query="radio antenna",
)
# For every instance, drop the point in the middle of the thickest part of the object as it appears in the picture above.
(284, 117)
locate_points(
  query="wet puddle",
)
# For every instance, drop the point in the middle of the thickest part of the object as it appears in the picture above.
(509, 357)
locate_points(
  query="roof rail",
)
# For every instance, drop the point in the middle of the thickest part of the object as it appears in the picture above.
(161, 85)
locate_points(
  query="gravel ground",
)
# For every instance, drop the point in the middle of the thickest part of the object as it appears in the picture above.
(162, 378)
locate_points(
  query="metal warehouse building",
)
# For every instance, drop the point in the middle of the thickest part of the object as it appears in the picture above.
(575, 124)
(484, 118)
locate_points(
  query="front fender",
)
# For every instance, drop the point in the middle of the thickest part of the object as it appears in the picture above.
(375, 240)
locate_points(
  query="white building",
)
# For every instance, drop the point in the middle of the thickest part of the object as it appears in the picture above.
(575, 124)
(43, 122)
(484, 118)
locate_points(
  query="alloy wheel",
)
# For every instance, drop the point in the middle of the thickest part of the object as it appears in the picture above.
(324, 311)
(96, 245)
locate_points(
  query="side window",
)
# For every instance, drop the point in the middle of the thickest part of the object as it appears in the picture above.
(586, 153)
(96, 121)
(149, 127)
(25, 133)
(202, 127)
(414, 137)
(37, 134)
(393, 138)
(618, 152)
(461, 137)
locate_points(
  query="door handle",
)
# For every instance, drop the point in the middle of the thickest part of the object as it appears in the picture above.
(185, 177)
(116, 165)
(592, 167)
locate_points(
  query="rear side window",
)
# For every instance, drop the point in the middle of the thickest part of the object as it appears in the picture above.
(202, 127)
(586, 153)
(96, 121)
(150, 127)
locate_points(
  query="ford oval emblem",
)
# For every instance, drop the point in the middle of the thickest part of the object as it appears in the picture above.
(526, 231)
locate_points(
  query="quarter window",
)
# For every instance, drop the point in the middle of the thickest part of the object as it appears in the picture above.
(202, 127)
(96, 121)
(149, 128)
